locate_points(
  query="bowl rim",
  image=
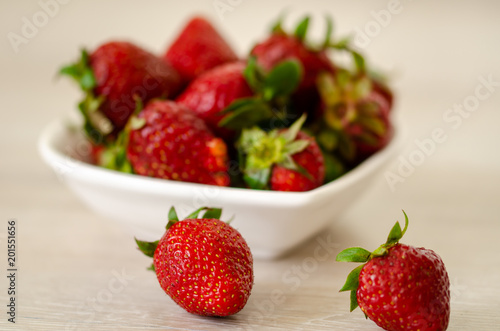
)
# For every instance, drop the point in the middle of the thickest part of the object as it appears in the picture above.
(54, 157)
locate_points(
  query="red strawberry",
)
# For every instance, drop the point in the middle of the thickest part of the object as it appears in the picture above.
(213, 91)
(281, 46)
(400, 287)
(169, 141)
(113, 76)
(198, 48)
(96, 152)
(284, 160)
(354, 120)
(203, 264)
(379, 98)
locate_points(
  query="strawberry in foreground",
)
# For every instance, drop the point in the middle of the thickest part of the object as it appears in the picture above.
(282, 160)
(203, 264)
(400, 287)
(198, 48)
(112, 77)
(167, 140)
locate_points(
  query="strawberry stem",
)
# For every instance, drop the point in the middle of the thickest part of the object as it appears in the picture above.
(301, 30)
(358, 254)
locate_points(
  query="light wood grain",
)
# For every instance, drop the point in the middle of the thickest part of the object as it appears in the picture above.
(68, 257)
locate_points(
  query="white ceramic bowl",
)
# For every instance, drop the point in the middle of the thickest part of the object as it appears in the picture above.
(271, 222)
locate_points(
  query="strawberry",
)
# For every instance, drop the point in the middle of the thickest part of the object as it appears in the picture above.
(174, 143)
(280, 46)
(111, 77)
(355, 115)
(237, 95)
(353, 121)
(400, 287)
(198, 48)
(167, 140)
(282, 160)
(213, 91)
(203, 264)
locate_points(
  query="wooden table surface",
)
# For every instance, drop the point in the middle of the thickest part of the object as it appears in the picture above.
(77, 270)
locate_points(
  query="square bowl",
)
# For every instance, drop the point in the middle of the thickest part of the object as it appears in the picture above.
(271, 222)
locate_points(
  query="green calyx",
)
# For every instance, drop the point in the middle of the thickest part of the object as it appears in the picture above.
(260, 151)
(96, 125)
(81, 72)
(114, 156)
(300, 31)
(149, 248)
(347, 113)
(271, 93)
(358, 254)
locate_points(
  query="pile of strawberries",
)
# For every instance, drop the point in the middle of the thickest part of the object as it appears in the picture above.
(285, 117)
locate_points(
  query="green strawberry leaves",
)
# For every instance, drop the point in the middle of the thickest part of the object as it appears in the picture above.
(244, 112)
(114, 156)
(257, 179)
(396, 234)
(301, 29)
(353, 254)
(272, 90)
(96, 124)
(259, 151)
(329, 32)
(348, 115)
(81, 72)
(282, 80)
(352, 284)
(358, 254)
(172, 218)
(209, 213)
(291, 133)
(254, 74)
(213, 213)
(149, 248)
(334, 168)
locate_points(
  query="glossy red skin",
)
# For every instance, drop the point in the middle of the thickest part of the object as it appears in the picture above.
(213, 91)
(311, 159)
(198, 48)
(123, 70)
(205, 266)
(383, 98)
(95, 153)
(176, 144)
(408, 289)
(279, 47)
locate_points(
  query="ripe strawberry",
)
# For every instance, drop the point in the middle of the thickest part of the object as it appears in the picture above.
(203, 264)
(96, 152)
(169, 141)
(284, 160)
(354, 120)
(198, 48)
(282, 46)
(400, 287)
(111, 77)
(213, 91)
